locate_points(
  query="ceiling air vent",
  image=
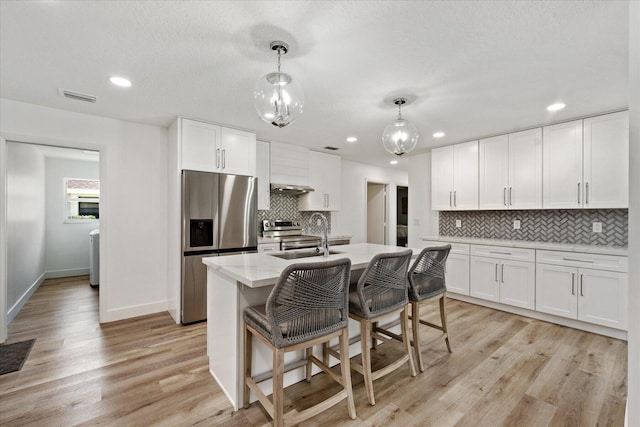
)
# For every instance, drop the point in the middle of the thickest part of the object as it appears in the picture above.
(328, 147)
(77, 95)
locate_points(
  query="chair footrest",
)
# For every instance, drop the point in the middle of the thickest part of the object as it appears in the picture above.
(288, 367)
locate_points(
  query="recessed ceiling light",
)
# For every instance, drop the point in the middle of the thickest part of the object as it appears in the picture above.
(120, 81)
(352, 139)
(556, 107)
(438, 134)
(393, 162)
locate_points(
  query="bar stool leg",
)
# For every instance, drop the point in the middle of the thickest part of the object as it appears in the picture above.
(248, 353)
(415, 327)
(365, 340)
(278, 387)
(443, 318)
(404, 322)
(345, 367)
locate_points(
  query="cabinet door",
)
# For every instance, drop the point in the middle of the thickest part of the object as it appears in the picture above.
(262, 172)
(289, 164)
(517, 283)
(237, 152)
(457, 274)
(562, 166)
(442, 178)
(325, 177)
(603, 298)
(485, 283)
(606, 161)
(333, 181)
(556, 288)
(493, 172)
(465, 178)
(199, 145)
(525, 170)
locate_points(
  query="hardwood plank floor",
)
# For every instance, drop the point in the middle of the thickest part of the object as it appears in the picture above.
(504, 370)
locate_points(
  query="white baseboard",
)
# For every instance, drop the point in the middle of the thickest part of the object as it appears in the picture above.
(13, 311)
(66, 273)
(135, 311)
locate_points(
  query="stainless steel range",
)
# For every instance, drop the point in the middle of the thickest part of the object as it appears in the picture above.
(290, 234)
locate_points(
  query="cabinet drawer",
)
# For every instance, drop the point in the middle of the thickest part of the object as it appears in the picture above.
(456, 248)
(595, 261)
(516, 254)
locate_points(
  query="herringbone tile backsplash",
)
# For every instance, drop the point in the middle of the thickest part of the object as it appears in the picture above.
(285, 206)
(557, 226)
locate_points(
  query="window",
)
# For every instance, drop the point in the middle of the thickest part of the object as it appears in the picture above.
(82, 199)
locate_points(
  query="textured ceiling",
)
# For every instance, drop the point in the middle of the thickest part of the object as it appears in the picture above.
(474, 68)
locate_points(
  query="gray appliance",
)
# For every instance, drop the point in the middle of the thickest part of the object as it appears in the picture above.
(94, 258)
(218, 218)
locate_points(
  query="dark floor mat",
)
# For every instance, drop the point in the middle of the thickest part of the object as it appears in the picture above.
(13, 356)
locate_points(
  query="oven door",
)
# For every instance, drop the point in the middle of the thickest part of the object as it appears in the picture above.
(288, 245)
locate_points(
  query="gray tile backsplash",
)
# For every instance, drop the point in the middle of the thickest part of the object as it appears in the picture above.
(285, 206)
(558, 226)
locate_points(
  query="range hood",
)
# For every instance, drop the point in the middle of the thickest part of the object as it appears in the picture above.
(290, 189)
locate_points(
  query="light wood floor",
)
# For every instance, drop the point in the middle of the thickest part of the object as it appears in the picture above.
(505, 370)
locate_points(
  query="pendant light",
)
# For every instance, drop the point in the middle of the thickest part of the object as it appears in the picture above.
(278, 98)
(400, 136)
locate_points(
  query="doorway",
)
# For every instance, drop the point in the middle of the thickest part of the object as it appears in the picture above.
(402, 215)
(52, 205)
(377, 213)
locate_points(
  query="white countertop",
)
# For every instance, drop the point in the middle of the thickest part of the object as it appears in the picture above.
(256, 270)
(568, 247)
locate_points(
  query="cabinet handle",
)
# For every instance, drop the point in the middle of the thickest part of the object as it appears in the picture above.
(455, 202)
(450, 203)
(224, 163)
(510, 199)
(586, 193)
(577, 260)
(502, 273)
(573, 283)
(500, 253)
(217, 158)
(581, 293)
(504, 196)
(578, 193)
(496, 272)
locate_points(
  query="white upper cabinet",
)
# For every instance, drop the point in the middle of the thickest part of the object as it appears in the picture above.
(263, 174)
(454, 177)
(211, 148)
(325, 173)
(510, 171)
(289, 164)
(586, 163)
(606, 161)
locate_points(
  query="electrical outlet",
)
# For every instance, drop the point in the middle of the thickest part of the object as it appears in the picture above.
(516, 224)
(458, 223)
(597, 227)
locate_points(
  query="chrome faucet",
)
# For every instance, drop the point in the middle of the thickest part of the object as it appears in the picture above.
(325, 225)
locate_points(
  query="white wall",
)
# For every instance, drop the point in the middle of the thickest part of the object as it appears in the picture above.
(348, 221)
(67, 244)
(25, 224)
(422, 220)
(633, 391)
(133, 180)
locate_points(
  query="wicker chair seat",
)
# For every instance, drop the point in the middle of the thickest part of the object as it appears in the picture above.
(387, 300)
(426, 288)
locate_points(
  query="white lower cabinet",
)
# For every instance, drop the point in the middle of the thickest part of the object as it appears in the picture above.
(504, 275)
(587, 294)
(456, 273)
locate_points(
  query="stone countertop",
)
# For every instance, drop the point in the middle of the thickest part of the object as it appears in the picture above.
(567, 247)
(257, 270)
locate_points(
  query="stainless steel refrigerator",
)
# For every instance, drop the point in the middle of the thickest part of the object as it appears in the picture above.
(218, 218)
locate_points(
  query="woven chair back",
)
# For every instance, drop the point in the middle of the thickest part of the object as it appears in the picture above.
(382, 287)
(309, 300)
(426, 275)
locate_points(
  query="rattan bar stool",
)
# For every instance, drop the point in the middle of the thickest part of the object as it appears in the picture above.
(307, 306)
(380, 293)
(427, 282)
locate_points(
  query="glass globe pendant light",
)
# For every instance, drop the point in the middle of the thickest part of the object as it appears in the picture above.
(400, 136)
(278, 98)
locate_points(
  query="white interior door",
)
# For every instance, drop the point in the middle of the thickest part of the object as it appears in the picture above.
(376, 213)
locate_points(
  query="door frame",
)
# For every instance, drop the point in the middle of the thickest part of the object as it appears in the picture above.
(386, 184)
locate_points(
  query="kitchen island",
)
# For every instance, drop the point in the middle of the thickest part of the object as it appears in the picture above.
(238, 281)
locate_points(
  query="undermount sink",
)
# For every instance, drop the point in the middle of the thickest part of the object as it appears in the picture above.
(303, 253)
